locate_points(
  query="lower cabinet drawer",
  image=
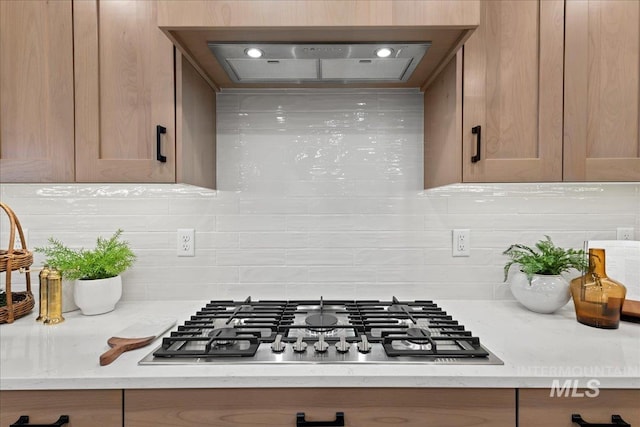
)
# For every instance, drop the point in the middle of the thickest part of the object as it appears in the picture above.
(554, 408)
(85, 408)
(361, 407)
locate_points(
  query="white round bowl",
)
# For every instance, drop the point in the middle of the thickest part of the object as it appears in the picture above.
(545, 294)
(97, 296)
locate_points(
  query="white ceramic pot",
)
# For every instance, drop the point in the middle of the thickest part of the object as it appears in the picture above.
(545, 294)
(68, 300)
(97, 296)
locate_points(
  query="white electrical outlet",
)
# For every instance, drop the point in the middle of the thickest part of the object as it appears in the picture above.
(17, 243)
(186, 242)
(625, 233)
(461, 242)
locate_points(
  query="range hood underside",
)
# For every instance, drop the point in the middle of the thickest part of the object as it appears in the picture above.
(444, 43)
(300, 63)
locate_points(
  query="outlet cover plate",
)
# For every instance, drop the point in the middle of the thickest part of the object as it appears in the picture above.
(625, 233)
(186, 242)
(461, 242)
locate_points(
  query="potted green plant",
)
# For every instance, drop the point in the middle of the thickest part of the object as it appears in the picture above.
(95, 272)
(538, 284)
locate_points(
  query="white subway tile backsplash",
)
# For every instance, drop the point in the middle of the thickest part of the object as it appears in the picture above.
(143, 206)
(250, 257)
(363, 274)
(164, 257)
(250, 222)
(327, 256)
(328, 205)
(389, 222)
(257, 291)
(279, 274)
(179, 275)
(274, 240)
(322, 101)
(199, 222)
(204, 206)
(382, 256)
(266, 205)
(327, 290)
(214, 240)
(321, 222)
(320, 193)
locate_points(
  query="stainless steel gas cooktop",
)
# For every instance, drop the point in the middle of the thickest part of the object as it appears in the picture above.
(321, 331)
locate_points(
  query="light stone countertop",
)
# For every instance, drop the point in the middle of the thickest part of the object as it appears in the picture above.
(536, 349)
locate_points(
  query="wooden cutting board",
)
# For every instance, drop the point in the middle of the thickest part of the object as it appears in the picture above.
(139, 334)
(631, 310)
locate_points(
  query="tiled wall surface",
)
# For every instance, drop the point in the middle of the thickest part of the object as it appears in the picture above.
(320, 194)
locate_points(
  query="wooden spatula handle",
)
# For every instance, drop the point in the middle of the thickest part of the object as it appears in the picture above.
(120, 345)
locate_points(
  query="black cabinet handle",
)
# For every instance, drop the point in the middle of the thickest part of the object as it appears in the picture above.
(616, 420)
(476, 130)
(159, 131)
(24, 421)
(301, 422)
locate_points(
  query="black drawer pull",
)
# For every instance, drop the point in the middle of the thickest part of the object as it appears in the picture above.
(301, 422)
(476, 130)
(616, 420)
(159, 131)
(24, 421)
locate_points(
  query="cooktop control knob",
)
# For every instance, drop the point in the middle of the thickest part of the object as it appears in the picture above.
(342, 346)
(363, 345)
(321, 346)
(278, 346)
(300, 346)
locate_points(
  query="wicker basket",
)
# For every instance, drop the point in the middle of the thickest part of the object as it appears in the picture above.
(18, 303)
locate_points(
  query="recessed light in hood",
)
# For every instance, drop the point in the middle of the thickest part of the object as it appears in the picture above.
(304, 63)
(253, 52)
(384, 52)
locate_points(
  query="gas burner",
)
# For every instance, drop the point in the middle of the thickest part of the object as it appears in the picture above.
(322, 322)
(399, 308)
(224, 336)
(418, 333)
(419, 337)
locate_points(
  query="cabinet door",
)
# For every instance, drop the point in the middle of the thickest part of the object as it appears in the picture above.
(602, 91)
(36, 91)
(513, 71)
(195, 127)
(85, 408)
(361, 407)
(538, 408)
(124, 88)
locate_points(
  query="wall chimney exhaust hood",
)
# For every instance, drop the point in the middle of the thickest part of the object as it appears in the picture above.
(319, 63)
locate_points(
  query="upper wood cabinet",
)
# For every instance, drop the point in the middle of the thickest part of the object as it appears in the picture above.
(128, 82)
(36, 91)
(602, 91)
(124, 81)
(510, 81)
(512, 89)
(195, 127)
(505, 93)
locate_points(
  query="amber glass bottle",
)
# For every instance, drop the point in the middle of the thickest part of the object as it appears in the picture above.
(597, 298)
